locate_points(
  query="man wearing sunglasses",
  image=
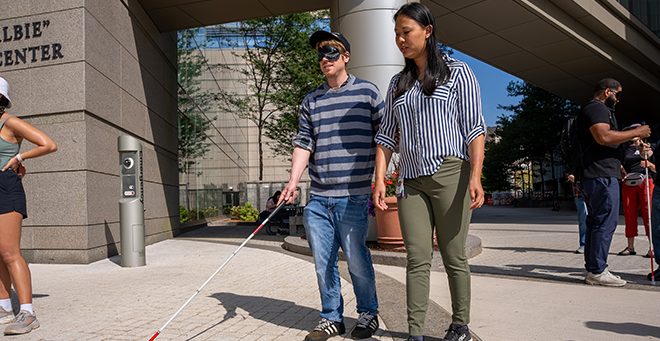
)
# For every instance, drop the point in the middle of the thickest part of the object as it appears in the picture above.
(338, 122)
(600, 175)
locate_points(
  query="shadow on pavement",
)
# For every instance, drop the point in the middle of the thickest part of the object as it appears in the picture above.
(626, 328)
(404, 336)
(548, 272)
(279, 312)
(526, 249)
(557, 274)
(508, 215)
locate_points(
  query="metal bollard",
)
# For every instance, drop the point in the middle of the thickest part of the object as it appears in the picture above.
(131, 202)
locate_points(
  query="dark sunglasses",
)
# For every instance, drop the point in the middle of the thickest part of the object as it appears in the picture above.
(617, 94)
(329, 53)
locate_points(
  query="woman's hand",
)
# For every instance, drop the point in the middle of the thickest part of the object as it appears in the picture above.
(476, 152)
(383, 156)
(379, 195)
(13, 164)
(650, 166)
(624, 174)
(21, 170)
(476, 194)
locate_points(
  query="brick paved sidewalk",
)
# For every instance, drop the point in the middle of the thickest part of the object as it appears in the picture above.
(259, 295)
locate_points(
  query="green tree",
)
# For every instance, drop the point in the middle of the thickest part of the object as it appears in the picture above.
(495, 173)
(530, 134)
(193, 101)
(279, 69)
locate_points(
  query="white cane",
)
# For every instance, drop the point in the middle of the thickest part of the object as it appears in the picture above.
(648, 200)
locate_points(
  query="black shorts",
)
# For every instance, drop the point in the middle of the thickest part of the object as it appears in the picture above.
(12, 194)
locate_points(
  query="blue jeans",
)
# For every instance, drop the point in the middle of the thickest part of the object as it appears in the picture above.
(655, 222)
(582, 218)
(602, 198)
(330, 223)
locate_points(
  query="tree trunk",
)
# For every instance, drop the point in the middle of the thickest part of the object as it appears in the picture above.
(530, 177)
(542, 178)
(261, 155)
(552, 165)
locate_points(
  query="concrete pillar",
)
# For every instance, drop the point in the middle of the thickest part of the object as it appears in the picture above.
(369, 28)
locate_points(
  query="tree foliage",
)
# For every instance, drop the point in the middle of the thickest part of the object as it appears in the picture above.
(193, 102)
(530, 134)
(279, 69)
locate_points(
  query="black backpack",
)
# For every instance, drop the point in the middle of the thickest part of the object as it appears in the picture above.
(571, 148)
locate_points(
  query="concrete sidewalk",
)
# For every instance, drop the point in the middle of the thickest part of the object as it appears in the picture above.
(259, 295)
(526, 285)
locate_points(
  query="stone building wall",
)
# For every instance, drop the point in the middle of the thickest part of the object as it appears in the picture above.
(85, 72)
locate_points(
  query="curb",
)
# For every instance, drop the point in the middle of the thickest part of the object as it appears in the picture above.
(472, 249)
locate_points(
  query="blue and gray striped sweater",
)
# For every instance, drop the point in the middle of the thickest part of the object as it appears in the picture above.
(338, 127)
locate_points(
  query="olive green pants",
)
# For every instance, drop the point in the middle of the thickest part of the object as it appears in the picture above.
(441, 200)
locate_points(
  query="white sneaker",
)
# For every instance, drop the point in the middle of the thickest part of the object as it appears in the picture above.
(580, 250)
(605, 278)
(6, 316)
(23, 323)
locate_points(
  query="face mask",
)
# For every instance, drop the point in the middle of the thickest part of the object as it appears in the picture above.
(329, 53)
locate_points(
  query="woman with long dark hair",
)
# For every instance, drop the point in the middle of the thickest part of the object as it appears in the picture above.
(435, 104)
(13, 268)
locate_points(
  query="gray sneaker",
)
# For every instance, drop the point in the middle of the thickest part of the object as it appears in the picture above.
(6, 316)
(605, 278)
(24, 323)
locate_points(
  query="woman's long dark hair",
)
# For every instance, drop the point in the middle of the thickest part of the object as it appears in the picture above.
(437, 72)
(276, 196)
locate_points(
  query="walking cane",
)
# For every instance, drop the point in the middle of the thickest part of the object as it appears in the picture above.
(648, 200)
(220, 268)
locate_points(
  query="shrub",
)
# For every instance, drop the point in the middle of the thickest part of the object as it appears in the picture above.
(210, 211)
(183, 214)
(244, 213)
(236, 212)
(248, 213)
(193, 214)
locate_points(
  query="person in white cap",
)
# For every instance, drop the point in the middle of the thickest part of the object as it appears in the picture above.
(13, 268)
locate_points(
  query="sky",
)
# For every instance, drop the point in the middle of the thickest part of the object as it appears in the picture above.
(493, 84)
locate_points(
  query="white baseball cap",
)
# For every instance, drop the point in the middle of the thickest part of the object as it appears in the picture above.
(4, 90)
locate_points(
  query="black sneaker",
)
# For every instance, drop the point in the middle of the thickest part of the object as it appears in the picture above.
(457, 333)
(655, 273)
(366, 326)
(326, 329)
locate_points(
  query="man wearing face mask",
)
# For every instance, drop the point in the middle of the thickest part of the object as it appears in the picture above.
(338, 122)
(600, 176)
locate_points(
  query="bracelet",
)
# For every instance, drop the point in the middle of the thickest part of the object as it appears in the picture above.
(18, 157)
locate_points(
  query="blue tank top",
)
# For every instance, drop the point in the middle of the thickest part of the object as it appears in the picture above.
(7, 149)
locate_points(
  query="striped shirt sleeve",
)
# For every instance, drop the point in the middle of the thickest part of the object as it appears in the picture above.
(389, 124)
(470, 118)
(304, 139)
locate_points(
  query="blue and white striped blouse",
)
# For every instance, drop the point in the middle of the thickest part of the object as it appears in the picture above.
(433, 127)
